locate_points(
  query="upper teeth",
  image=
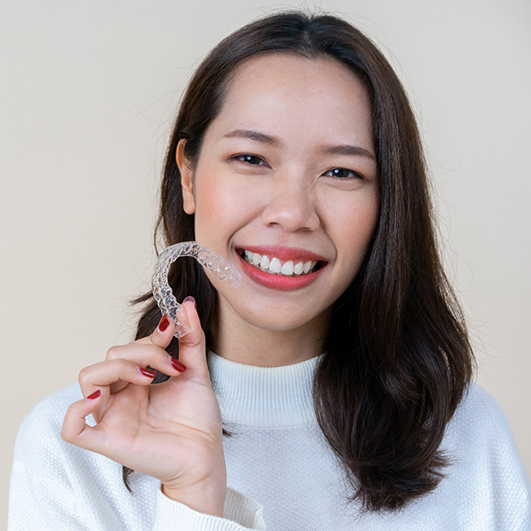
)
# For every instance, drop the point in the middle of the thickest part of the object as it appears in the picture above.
(274, 265)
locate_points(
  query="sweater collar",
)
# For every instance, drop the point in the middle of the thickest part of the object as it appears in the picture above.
(264, 397)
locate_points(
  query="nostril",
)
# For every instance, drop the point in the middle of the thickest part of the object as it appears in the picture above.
(291, 215)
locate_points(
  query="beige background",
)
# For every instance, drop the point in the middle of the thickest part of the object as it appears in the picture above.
(88, 91)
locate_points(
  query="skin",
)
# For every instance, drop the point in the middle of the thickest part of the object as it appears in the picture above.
(285, 195)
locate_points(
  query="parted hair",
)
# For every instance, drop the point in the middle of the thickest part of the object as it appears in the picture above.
(397, 359)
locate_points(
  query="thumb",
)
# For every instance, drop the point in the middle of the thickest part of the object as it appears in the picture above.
(192, 346)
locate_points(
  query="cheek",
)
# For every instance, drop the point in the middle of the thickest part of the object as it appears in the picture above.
(209, 207)
(355, 220)
(221, 206)
(355, 225)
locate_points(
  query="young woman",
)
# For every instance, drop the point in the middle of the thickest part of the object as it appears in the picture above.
(330, 391)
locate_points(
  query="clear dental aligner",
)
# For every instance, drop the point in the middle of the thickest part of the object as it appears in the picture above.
(162, 292)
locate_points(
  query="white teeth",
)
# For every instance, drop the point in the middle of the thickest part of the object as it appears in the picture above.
(287, 268)
(273, 265)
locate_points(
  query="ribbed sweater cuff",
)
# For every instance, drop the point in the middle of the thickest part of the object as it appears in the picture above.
(239, 514)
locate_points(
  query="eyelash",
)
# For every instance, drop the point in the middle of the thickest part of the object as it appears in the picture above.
(244, 158)
(355, 174)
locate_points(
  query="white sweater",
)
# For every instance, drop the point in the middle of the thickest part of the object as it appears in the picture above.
(281, 472)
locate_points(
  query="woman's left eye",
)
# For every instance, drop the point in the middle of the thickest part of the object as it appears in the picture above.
(343, 173)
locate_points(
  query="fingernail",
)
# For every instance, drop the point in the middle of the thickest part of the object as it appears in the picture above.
(190, 298)
(164, 323)
(94, 395)
(147, 372)
(177, 365)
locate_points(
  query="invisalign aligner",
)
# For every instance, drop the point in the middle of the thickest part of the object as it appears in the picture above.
(216, 264)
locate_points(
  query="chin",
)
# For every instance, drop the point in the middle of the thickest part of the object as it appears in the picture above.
(280, 321)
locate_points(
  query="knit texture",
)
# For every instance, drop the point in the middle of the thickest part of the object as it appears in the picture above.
(282, 474)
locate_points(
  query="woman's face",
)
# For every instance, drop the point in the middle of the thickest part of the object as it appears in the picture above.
(285, 187)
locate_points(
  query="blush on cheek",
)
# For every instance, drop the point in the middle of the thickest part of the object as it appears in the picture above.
(225, 200)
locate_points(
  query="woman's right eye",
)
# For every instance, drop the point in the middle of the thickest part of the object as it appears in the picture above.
(253, 160)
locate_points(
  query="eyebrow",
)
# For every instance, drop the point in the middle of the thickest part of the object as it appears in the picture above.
(253, 135)
(347, 149)
(341, 149)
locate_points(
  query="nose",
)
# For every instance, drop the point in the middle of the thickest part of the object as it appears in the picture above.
(291, 205)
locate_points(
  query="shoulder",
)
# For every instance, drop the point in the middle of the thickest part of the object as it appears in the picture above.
(480, 426)
(56, 403)
(486, 470)
(39, 437)
(479, 414)
(44, 461)
(58, 485)
(47, 415)
(477, 400)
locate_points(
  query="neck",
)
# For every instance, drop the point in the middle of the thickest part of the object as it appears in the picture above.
(242, 342)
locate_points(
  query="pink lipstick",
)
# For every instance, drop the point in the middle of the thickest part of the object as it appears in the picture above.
(278, 256)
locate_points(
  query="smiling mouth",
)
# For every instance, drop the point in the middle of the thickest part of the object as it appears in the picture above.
(276, 266)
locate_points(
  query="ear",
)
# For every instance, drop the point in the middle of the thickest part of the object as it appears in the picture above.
(186, 178)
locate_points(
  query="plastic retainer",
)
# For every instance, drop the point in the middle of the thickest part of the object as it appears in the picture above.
(162, 292)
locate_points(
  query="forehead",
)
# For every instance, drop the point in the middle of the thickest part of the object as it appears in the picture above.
(284, 93)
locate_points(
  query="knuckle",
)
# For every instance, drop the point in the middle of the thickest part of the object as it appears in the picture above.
(197, 339)
(122, 365)
(113, 353)
(84, 375)
(153, 339)
(119, 368)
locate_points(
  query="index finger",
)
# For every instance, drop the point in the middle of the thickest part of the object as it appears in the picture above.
(162, 335)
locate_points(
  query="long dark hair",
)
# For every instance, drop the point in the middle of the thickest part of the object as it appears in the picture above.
(397, 357)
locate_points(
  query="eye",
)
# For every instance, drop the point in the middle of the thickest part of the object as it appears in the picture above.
(252, 160)
(343, 173)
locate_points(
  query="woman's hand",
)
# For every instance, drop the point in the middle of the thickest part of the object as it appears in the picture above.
(171, 431)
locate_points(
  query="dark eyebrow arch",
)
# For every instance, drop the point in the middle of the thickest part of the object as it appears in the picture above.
(252, 135)
(347, 149)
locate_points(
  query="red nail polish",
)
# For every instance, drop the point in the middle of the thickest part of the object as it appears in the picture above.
(164, 323)
(147, 372)
(94, 395)
(177, 365)
(190, 298)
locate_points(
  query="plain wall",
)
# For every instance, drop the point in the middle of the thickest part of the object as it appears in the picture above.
(88, 92)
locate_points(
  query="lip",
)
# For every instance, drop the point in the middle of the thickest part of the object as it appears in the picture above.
(281, 282)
